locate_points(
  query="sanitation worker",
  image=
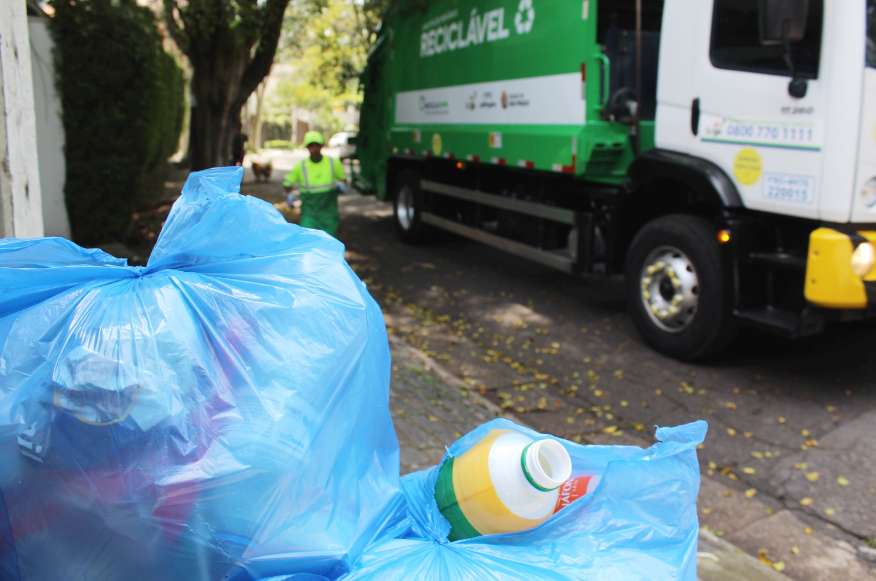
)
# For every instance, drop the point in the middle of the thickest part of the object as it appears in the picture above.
(319, 179)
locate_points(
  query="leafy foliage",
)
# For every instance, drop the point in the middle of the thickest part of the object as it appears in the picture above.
(122, 104)
(327, 41)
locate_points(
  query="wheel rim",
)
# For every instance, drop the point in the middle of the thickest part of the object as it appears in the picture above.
(405, 208)
(670, 289)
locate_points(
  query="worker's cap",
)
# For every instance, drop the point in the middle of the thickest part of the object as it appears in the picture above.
(313, 137)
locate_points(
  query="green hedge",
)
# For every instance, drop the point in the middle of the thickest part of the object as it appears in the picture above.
(122, 107)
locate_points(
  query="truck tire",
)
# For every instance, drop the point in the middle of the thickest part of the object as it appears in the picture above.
(407, 204)
(676, 287)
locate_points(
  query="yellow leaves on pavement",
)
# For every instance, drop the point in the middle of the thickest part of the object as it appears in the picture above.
(764, 558)
(812, 476)
(748, 470)
(750, 493)
(731, 432)
(842, 480)
(781, 419)
(806, 501)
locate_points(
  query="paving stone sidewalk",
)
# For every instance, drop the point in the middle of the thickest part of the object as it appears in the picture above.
(431, 409)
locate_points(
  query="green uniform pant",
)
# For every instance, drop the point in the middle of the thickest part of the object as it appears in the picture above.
(320, 211)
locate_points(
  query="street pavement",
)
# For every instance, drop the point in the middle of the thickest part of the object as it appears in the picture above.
(789, 463)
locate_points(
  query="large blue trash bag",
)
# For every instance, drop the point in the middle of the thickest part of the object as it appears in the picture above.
(640, 523)
(221, 413)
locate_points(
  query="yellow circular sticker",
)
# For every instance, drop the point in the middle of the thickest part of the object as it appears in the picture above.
(748, 166)
(436, 144)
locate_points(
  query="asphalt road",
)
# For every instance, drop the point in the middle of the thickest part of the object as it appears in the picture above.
(791, 422)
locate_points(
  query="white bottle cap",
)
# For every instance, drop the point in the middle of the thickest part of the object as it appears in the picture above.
(546, 464)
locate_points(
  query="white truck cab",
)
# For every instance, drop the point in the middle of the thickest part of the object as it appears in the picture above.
(779, 98)
(726, 96)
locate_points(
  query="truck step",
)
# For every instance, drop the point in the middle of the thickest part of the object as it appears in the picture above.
(779, 260)
(558, 260)
(788, 323)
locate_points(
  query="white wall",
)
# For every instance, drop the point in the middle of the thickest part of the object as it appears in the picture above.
(20, 208)
(49, 128)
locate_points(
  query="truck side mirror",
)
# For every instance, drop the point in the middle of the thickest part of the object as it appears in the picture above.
(783, 21)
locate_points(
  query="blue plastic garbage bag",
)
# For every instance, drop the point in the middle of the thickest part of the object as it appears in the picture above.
(640, 523)
(220, 413)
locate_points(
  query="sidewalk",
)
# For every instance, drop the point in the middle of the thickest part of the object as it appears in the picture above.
(432, 408)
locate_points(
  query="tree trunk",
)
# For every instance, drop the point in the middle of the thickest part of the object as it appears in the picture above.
(256, 129)
(215, 111)
(228, 63)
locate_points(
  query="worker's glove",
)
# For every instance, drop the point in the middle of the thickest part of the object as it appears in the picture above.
(290, 199)
(343, 187)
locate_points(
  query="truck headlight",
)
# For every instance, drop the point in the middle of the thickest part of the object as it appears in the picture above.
(863, 259)
(868, 193)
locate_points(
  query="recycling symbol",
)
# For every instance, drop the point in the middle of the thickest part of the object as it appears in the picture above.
(525, 17)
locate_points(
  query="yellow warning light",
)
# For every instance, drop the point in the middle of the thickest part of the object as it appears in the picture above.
(724, 236)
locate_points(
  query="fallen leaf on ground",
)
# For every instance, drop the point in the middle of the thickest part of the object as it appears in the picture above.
(812, 476)
(748, 470)
(842, 480)
(806, 501)
(750, 493)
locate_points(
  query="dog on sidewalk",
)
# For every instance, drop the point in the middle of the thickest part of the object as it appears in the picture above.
(262, 171)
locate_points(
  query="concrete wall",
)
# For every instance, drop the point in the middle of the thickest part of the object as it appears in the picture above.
(49, 128)
(20, 208)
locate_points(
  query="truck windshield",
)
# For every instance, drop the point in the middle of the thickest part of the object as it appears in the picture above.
(871, 33)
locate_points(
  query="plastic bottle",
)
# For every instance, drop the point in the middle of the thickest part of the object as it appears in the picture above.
(507, 482)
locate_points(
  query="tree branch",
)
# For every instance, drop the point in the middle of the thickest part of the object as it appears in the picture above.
(260, 65)
(173, 27)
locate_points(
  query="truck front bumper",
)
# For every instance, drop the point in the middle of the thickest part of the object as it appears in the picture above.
(831, 281)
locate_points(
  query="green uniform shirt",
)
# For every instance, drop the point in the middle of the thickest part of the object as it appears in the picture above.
(319, 194)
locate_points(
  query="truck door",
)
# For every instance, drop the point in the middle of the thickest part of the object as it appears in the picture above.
(743, 117)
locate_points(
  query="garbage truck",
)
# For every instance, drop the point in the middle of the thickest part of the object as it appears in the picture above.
(720, 154)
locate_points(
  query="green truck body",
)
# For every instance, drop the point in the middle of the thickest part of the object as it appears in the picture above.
(498, 82)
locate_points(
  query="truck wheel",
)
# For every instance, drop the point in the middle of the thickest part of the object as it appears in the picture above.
(677, 289)
(407, 206)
